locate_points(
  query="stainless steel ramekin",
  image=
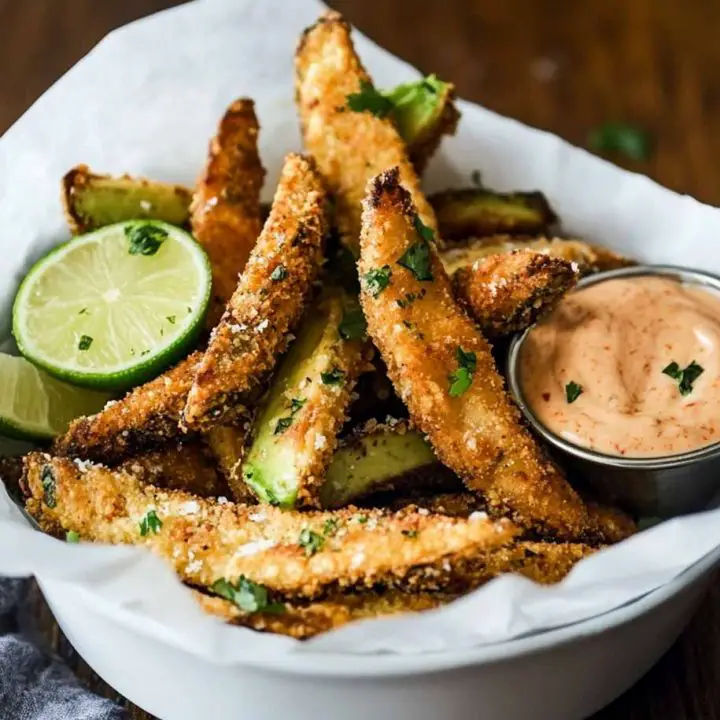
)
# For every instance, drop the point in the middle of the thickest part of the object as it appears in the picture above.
(658, 486)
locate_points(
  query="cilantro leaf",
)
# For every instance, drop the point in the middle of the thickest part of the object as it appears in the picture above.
(685, 377)
(85, 342)
(279, 273)
(284, 423)
(310, 541)
(47, 479)
(249, 596)
(461, 379)
(368, 99)
(333, 377)
(423, 230)
(573, 391)
(377, 279)
(330, 527)
(145, 239)
(621, 138)
(353, 325)
(151, 523)
(417, 258)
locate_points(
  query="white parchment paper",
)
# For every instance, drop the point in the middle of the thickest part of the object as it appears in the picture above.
(146, 101)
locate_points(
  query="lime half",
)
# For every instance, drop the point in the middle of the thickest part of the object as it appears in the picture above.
(35, 406)
(114, 307)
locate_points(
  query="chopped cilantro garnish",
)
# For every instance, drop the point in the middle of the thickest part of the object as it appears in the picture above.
(85, 342)
(144, 239)
(285, 422)
(249, 596)
(573, 391)
(310, 541)
(72, 537)
(171, 319)
(621, 138)
(410, 298)
(377, 279)
(47, 478)
(362, 519)
(353, 325)
(330, 527)
(417, 258)
(151, 523)
(410, 533)
(461, 379)
(685, 377)
(333, 377)
(423, 230)
(368, 99)
(279, 273)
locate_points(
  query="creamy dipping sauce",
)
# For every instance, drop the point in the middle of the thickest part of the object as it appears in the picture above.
(628, 367)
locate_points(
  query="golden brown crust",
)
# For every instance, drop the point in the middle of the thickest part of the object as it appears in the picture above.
(187, 466)
(206, 541)
(225, 211)
(478, 434)
(255, 328)
(145, 418)
(507, 293)
(349, 147)
(303, 621)
(589, 258)
(80, 178)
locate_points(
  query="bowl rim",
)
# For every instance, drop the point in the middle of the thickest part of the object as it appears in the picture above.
(690, 276)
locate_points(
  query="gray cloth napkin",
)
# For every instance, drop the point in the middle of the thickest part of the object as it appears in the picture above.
(34, 685)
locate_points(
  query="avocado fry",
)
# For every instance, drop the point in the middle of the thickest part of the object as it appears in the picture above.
(588, 258)
(479, 212)
(291, 554)
(507, 293)
(423, 112)
(295, 431)
(268, 302)
(92, 201)
(381, 458)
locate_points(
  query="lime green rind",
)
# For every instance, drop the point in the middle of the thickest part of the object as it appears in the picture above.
(37, 407)
(181, 333)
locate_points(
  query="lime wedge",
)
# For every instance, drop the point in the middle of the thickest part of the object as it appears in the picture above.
(113, 308)
(35, 406)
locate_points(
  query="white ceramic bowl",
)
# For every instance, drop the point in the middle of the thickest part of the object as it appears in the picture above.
(565, 674)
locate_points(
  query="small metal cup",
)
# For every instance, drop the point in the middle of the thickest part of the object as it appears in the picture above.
(658, 486)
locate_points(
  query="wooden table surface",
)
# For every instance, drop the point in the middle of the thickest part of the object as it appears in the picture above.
(561, 65)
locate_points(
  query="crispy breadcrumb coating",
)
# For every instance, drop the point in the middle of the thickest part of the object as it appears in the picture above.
(588, 258)
(544, 563)
(188, 466)
(477, 433)
(225, 211)
(269, 299)
(348, 147)
(303, 621)
(507, 293)
(145, 418)
(292, 554)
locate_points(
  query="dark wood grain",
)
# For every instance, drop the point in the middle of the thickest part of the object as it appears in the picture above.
(562, 65)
